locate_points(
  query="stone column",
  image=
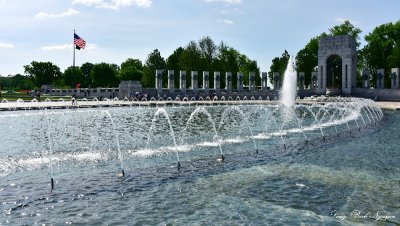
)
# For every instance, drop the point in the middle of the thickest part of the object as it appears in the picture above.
(206, 81)
(228, 76)
(264, 81)
(217, 81)
(380, 78)
(347, 73)
(171, 80)
(240, 81)
(395, 78)
(182, 81)
(277, 83)
(321, 75)
(365, 78)
(252, 81)
(194, 81)
(301, 80)
(159, 82)
(314, 79)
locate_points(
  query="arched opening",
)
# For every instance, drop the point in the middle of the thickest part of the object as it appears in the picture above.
(334, 72)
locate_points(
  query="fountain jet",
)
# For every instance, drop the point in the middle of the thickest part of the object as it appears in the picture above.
(288, 93)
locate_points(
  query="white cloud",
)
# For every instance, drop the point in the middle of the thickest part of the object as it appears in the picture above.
(230, 11)
(114, 4)
(69, 12)
(342, 20)
(87, 2)
(88, 47)
(226, 21)
(226, 1)
(225, 11)
(59, 47)
(6, 45)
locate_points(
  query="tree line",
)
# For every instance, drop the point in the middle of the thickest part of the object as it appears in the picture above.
(200, 56)
(381, 51)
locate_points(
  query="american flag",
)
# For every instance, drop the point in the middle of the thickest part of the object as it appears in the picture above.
(79, 42)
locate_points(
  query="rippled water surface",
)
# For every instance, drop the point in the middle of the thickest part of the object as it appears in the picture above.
(275, 171)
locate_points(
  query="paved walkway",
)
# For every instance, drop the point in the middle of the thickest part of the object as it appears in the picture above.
(14, 105)
(389, 105)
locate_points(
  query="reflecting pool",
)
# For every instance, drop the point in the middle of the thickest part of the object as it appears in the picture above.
(321, 163)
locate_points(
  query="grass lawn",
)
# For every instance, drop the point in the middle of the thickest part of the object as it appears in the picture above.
(14, 96)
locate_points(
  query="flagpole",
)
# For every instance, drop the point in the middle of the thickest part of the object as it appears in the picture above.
(73, 62)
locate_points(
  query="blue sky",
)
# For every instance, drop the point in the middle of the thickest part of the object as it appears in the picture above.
(42, 30)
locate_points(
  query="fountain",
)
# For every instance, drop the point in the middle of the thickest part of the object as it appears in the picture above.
(288, 93)
(162, 111)
(277, 168)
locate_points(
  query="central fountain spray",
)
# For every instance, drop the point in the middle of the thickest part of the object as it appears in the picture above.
(288, 92)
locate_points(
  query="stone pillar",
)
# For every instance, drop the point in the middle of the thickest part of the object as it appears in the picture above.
(380, 78)
(171, 80)
(252, 81)
(159, 82)
(395, 78)
(365, 78)
(264, 81)
(321, 79)
(301, 80)
(228, 76)
(217, 81)
(194, 81)
(240, 81)
(277, 82)
(314, 79)
(206, 81)
(182, 81)
(347, 80)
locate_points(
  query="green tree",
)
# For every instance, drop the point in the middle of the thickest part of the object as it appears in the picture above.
(73, 76)
(208, 53)
(190, 60)
(42, 72)
(86, 68)
(346, 28)
(104, 75)
(131, 69)
(227, 62)
(173, 64)
(206, 56)
(279, 65)
(246, 66)
(307, 59)
(16, 82)
(231, 60)
(20, 82)
(5, 83)
(382, 50)
(154, 62)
